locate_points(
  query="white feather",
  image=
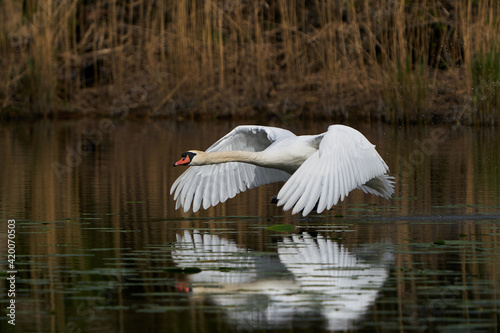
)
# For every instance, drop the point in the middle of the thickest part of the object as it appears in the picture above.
(319, 170)
(345, 155)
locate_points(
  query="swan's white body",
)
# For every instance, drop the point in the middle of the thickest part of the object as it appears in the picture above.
(318, 169)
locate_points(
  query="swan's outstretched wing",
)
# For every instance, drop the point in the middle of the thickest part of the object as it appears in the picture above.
(250, 138)
(211, 184)
(344, 161)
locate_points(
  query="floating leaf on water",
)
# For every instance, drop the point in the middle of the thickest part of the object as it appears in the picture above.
(282, 228)
(229, 269)
(111, 249)
(225, 269)
(185, 270)
(192, 270)
(455, 206)
(359, 209)
(112, 307)
(256, 254)
(98, 228)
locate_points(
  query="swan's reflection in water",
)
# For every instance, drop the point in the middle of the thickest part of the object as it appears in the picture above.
(311, 278)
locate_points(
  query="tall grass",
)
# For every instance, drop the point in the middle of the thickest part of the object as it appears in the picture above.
(486, 85)
(402, 61)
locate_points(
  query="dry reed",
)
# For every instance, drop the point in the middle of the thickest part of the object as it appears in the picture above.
(399, 61)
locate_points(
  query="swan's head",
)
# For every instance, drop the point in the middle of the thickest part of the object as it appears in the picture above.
(187, 158)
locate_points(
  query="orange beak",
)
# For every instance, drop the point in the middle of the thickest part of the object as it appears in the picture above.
(183, 161)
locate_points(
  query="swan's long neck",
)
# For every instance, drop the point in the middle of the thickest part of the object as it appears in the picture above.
(218, 157)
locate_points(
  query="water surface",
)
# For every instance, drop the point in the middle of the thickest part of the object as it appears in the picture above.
(100, 247)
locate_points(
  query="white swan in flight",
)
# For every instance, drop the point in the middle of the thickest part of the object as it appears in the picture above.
(319, 170)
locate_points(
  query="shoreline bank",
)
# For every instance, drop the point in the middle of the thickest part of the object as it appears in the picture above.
(430, 62)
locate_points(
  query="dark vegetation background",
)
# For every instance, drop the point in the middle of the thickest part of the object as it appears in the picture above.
(400, 61)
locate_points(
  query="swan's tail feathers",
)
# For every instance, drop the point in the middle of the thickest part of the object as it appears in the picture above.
(381, 185)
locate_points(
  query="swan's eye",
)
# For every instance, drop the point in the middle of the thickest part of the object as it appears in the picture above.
(189, 155)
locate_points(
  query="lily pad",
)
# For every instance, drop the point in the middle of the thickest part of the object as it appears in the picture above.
(282, 228)
(184, 270)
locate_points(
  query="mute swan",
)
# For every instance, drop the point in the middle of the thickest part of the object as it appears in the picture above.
(319, 170)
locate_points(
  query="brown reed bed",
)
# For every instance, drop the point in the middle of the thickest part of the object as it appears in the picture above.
(399, 61)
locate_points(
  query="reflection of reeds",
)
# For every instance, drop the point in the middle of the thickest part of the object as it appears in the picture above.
(401, 61)
(124, 191)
